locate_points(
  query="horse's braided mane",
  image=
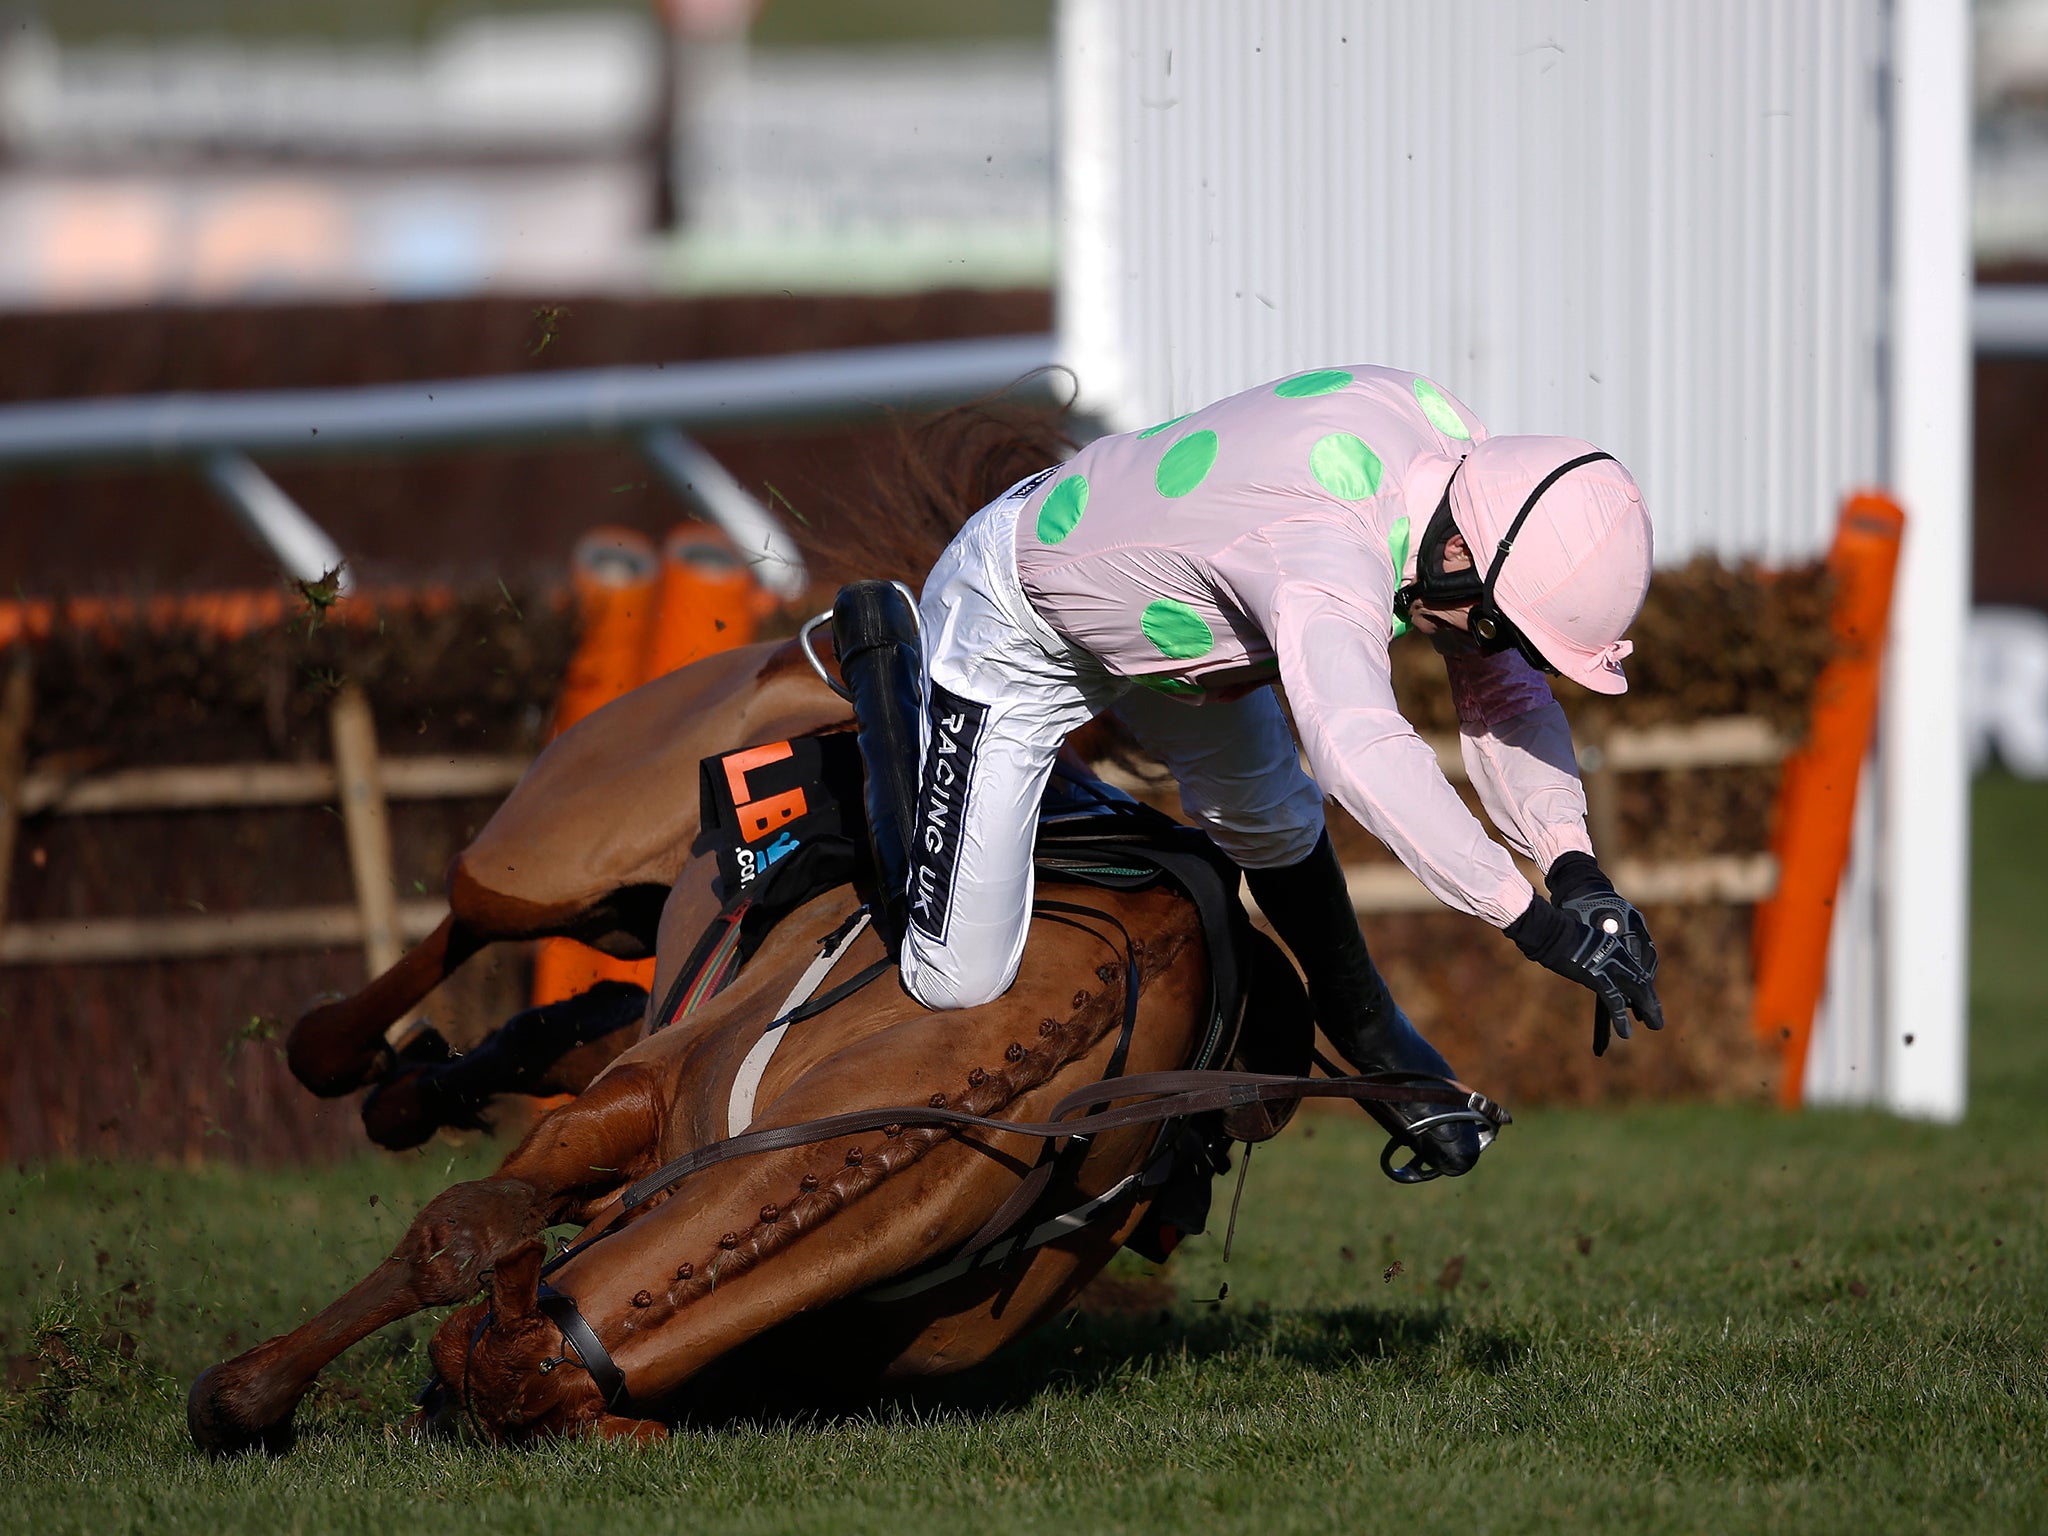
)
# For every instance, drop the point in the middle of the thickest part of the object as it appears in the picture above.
(937, 472)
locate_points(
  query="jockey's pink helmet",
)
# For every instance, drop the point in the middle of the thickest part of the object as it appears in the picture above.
(1579, 567)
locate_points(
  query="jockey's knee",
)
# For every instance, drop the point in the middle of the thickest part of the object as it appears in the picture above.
(1279, 839)
(942, 977)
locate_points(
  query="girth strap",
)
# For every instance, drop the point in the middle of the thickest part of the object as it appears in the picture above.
(739, 1104)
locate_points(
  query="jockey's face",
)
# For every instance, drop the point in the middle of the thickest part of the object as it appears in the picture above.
(1449, 629)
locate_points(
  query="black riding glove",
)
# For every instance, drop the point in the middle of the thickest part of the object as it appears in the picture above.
(1601, 942)
(1580, 888)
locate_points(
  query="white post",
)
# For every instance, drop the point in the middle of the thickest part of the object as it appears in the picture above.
(1925, 860)
(301, 545)
(1087, 151)
(693, 474)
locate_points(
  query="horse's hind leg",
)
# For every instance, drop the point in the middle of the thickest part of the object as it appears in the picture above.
(337, 1048)
(556, 1048)
(575, 1155)
(334, 1049)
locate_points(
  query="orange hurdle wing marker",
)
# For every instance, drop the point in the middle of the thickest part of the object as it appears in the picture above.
(614, 571)
(1817, 793)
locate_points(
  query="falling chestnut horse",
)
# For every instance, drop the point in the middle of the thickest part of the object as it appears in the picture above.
(765, 1252)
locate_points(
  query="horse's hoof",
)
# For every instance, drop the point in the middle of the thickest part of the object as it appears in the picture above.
(331, 1066)
(401, 1112)
(215, 1426)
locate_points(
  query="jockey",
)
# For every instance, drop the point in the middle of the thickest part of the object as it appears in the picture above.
(1288, 534)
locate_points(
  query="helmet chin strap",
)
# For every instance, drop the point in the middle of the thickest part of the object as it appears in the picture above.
(1435, 587)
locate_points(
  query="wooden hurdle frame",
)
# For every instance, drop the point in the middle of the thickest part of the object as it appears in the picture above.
(361, 783)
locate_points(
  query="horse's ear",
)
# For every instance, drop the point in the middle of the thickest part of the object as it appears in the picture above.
(515, 1283)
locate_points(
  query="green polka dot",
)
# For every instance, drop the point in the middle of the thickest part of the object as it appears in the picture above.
(1182, 466)
(1324, 381)
(1155, 431)
(1345, 467)
(1173, 687)
(1177, 629)
(1062, 509)
(1442, 415)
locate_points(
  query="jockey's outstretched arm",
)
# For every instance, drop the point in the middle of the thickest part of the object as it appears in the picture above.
(1317, 595)
(1304, 588)
(1517, 748)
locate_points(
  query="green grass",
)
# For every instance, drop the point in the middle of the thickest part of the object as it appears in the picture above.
(1668, 1319)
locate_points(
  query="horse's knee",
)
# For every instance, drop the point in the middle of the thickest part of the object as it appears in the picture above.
(463, 1231)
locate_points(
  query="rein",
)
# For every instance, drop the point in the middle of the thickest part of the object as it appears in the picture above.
(1168, 1095)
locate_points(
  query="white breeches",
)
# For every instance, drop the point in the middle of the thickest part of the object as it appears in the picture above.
(1002, 690)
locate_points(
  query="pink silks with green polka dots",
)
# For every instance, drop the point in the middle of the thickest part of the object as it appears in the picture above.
(1256, 540)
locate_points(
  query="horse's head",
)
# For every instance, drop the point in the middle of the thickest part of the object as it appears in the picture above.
(502, 1366)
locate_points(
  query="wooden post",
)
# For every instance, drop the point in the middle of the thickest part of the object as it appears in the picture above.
(368, 824)
(1603, 797)
(17, 700)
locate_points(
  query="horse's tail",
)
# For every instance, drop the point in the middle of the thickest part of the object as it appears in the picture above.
(936, 473)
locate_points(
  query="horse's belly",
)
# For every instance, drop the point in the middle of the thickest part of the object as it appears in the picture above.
(612, 801)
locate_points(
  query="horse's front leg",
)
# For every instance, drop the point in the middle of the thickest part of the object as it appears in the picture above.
(573, 1157)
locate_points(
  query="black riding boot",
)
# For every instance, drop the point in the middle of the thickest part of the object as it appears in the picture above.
(1310, 909)
(874, 630)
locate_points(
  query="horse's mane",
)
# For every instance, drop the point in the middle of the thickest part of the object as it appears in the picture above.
(936, 472)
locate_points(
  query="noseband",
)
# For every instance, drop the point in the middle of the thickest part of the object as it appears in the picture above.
(559, 1308)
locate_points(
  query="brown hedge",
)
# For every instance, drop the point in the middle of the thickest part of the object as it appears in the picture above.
(177, 1058)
